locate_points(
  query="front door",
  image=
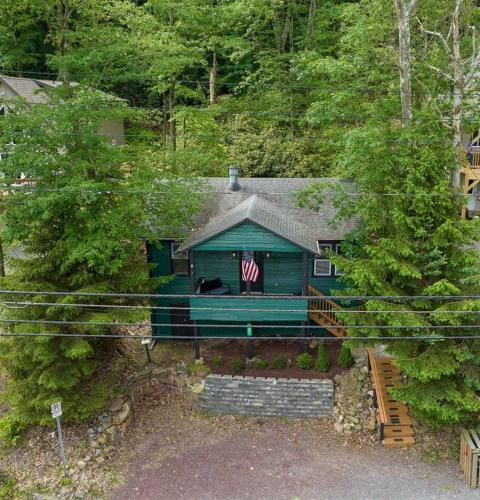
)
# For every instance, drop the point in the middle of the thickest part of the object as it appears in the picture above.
(256, 287)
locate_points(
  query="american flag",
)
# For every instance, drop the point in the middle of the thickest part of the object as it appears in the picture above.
(250, 270)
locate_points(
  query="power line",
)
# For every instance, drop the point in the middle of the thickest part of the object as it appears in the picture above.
(220, 325)
(23, 304)
(220, 82)
(114, 336)
(30, 187)
(247, 297)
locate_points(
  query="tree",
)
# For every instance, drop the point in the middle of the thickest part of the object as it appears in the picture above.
(82, 225)
(405, 9)
(412, 242)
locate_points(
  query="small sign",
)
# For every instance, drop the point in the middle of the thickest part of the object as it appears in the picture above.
(56, 409)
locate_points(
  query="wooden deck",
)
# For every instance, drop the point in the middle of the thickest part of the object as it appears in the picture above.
(323, 311)
(394, 421)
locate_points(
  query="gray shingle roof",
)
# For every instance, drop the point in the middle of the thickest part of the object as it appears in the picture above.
(26, 88)
(262, 212)
(275, 207)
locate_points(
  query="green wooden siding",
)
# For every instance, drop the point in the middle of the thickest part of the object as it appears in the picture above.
(281, 309)
(251, 235)
(211, 265)
(283, 273)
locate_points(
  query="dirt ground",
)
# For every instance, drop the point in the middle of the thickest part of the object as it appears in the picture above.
(268, 350)
(187, 456)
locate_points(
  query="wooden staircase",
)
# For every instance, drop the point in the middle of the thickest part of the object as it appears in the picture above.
(394, 422)
(323, 311)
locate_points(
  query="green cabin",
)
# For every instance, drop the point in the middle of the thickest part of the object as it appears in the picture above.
(287, 243)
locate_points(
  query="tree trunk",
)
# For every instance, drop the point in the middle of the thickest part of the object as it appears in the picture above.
(404, 9)
(458, 90)
(2, 260)
(173, 125)
(213, 79)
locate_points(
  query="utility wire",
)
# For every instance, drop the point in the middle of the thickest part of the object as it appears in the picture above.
(29, 187)
(220, 82)
(22, 305)
(220, 325)
(248, 297)
(214, 337)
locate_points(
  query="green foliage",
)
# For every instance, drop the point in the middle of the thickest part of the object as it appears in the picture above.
(217, 361)
(261, 363)
(345, 359)
(7, 485)
(279, 362)
(237, 365)
(11, 428)
(322, 363)
(305, 361)
(80, 235)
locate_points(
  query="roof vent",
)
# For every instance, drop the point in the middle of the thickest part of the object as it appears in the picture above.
(233, 174)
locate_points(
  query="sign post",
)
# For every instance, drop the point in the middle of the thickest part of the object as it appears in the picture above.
(56, 414)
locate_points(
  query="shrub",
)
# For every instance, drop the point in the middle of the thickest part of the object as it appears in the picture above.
(10, 429)
(261, 363)
(345, 357)
(217, 361)
(237, 365)
(305, 361)
(322, 364)
(279, 362)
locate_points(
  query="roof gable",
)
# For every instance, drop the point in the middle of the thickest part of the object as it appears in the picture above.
(262, 213)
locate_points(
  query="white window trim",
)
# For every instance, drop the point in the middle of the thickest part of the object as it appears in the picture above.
(315, 273)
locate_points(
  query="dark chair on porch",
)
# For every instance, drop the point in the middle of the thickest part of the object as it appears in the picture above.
(212, 287)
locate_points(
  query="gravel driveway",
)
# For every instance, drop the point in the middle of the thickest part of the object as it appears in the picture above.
(275, 459)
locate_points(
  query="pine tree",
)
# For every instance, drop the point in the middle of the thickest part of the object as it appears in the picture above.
(82, 232)
(322, 363)
(345, 359)
(412, 242)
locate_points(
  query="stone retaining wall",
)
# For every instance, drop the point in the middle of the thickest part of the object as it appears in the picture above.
(260, 396)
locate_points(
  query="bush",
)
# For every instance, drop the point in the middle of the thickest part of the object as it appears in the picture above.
(261, 363)
(279, 362)
(305, 361)
(217, 361)
(237, 365)
(345, 357)
(10, 429)
(322, 364)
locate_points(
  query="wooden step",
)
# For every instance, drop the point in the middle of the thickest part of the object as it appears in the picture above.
(398, 442)
(398, 431)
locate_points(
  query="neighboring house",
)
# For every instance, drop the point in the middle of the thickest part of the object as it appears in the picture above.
(288, 244)
(31, 90)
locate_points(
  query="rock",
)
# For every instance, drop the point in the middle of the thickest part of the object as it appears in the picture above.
(338, 427)
(81, 464)
(371, 424)
(364, 369)
(105, 419)
(99, 460)
(123, 414)
(197, 388)
(87, 458)
(102, 439)
(358, 427)
(80, 494)
(94, 444)
(116, 404)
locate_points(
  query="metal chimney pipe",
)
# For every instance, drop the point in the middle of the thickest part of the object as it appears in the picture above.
(233, 175)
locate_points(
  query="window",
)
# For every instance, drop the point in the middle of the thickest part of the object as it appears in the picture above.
(322, 265)
(180, 263)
